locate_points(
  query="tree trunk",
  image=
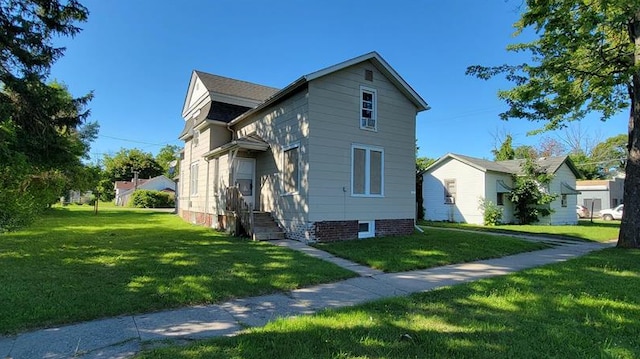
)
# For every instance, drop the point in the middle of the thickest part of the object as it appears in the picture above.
(629, 236)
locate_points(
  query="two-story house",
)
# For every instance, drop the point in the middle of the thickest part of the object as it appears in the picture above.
(329, 157)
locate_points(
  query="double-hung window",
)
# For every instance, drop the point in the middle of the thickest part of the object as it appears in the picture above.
(291, 169)
(367, 171)
(449, 191)
(196, 138)
(193, 179)
(368, 109)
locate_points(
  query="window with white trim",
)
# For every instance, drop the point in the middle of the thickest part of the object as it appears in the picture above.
(291, 169)
(449, 191)
(367, 171)
(366, 229)
(196, 138)
(193, 179)
(368, 109)
(216, 175)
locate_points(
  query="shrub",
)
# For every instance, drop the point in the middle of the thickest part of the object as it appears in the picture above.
(151, 199)
(492, 214)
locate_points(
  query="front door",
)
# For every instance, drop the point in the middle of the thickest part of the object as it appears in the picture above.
(244, 171)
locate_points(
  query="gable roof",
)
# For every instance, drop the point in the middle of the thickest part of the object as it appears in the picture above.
(250, 93)
(233, 87)
(549, 165)
(375, 59)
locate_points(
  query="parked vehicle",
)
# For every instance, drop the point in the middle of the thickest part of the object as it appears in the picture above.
(582, 211)
(609, 214)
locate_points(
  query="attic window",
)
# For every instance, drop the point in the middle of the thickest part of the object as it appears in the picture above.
(368, 75)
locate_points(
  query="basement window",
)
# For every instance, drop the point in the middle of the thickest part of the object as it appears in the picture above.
(366, 229)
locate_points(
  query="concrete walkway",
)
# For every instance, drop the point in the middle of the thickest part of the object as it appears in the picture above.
(123, 337)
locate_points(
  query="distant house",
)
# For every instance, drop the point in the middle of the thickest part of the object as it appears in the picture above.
(329, 157)
(600, 194)
(124, 189)
(453, 186)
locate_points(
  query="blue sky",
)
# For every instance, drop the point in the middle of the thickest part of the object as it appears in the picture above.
(137, 57)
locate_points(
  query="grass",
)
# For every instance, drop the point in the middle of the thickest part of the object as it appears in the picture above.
(73, 266)
(598, 231)
(436, 247)
(583, 308)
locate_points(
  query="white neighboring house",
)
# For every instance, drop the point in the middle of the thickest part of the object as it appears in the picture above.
(454, 184)
(124, 189)
(329, 157)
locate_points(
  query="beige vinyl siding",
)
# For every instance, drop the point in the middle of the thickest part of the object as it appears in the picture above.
(218, 135)
(470, 187)
(282, 125)
(216, 202)
(193, 154)
(334, 126)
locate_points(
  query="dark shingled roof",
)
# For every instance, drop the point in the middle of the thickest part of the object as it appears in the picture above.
(238, 88)
(548, 164)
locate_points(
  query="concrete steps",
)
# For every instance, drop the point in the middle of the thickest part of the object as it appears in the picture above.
(265, 227)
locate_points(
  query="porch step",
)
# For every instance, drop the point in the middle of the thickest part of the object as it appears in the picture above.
(265, 227)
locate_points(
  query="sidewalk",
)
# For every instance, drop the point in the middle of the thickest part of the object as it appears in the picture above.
(123, 337)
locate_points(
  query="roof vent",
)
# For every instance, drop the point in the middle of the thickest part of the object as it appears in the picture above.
(368, 75)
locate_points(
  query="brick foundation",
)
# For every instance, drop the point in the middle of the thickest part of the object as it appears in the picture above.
(394, 227)
(328, 231)
(199, 218)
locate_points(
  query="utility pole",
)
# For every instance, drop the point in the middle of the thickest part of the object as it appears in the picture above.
(135, 180)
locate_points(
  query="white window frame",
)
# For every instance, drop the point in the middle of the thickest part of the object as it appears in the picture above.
(370, 233)
(367, 170)
(293, 146)
(196, 138)
(374, 109)
(193, 178)
(216, 176)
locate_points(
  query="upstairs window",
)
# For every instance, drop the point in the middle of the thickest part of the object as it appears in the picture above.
(196, 138)
(368, 109)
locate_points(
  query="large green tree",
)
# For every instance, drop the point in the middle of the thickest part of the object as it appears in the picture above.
(40, 122)
(506, 151)
(167, 159)
(586, 58)
(124, 166)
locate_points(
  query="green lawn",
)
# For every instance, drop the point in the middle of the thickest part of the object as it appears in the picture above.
(73, 265)
(435, 247)
(599, 230)
(584, 308)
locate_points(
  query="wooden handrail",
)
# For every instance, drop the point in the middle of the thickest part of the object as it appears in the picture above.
(244, 211)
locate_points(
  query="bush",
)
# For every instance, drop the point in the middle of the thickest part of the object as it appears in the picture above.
(152, 199)
(492, 214)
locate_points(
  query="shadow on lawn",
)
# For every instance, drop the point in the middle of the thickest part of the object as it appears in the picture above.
(587, 307)
(76, 266)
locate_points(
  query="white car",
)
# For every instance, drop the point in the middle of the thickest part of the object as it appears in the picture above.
(609, 214)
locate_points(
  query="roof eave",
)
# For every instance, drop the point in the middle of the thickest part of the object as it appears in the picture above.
(279, 95)
(383, 66)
